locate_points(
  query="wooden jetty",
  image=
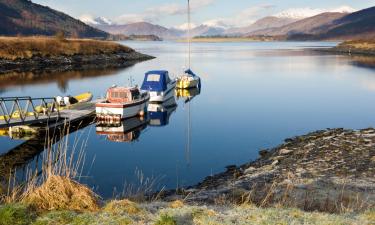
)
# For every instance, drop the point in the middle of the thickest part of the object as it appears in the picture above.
(47, 116)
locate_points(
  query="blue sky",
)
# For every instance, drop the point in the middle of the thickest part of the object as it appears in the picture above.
(170, 13)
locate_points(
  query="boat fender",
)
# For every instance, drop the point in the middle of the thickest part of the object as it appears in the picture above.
(60, 100)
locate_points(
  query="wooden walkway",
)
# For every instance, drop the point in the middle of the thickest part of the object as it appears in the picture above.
(77, 112)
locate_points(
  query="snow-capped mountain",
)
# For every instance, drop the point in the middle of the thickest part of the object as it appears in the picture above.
(95, 21)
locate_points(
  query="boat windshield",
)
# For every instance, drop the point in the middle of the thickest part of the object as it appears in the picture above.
(153, 78)
(135, 94)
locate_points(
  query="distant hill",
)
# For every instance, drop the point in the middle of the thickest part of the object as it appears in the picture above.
(311, 25)
(204, 30)
(359, 24)
(262, 24)
(22, 17)
(140, 28)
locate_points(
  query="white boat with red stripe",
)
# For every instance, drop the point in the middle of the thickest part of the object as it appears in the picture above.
(122, 103)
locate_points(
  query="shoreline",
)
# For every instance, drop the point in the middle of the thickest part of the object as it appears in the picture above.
(75, 62)
(318, 171)
(324, 177)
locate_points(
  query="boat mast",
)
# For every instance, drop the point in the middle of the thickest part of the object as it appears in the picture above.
(189, 27)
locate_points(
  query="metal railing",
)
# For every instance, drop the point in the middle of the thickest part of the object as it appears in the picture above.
(20, 109)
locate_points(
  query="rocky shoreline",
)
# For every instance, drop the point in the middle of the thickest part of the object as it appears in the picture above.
(74, 62)
(330, 170)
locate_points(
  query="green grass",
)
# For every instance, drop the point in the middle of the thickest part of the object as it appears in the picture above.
(15, 214)
(166, 220)
(160, 213)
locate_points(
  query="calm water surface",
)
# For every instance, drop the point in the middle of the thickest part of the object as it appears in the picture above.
(254, 95)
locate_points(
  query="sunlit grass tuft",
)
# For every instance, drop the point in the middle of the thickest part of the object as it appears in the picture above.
(122, 206)
(59, 192)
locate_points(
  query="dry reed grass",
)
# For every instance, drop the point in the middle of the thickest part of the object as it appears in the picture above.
(28, 47)
(62, 193)
(54, 187)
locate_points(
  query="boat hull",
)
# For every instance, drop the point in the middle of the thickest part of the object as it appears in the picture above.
(186, 84)
(117, 111)
(163, 96)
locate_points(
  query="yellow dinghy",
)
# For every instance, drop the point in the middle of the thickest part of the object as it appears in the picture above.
(81, 98)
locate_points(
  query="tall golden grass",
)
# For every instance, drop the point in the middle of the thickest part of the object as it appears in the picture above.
(27, 47)
(54, 186)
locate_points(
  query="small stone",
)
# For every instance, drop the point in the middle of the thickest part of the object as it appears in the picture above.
(285, 151)
(373, 159)
(249, 170)
(275, 162)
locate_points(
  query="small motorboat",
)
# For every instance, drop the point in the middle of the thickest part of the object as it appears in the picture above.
(159, 84)
(122, 103)
(127, 130)
(188, 80)
(159, 114)
(69, 101)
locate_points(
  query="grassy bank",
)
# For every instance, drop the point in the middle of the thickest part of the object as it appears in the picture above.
(160, 213)
(29, 47)
(362, 47)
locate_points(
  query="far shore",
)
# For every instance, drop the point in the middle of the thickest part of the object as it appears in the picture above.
(226, 39)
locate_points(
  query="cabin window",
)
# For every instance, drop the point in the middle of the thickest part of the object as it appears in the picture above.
(123, 95)
(153, 77)
(119, 95)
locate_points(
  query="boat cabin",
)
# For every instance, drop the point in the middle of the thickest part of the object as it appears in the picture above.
(122, 94)
(156, 81)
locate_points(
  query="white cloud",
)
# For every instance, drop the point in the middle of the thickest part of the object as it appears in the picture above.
(301, 13)
(133, 18)
(156, 13)
(243, 18)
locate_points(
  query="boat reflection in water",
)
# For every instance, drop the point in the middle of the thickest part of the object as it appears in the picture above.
(128, 130)
(188, 94)
(159, 114)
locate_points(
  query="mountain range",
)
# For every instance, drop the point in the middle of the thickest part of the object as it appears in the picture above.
(22, 17)
(342, 23)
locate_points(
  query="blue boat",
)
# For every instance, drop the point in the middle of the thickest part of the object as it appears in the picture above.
(159, 84)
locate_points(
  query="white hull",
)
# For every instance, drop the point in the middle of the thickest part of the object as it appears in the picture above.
(165, 95)
(120, 111)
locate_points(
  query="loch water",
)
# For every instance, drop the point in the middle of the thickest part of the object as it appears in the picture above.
(253, 96)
